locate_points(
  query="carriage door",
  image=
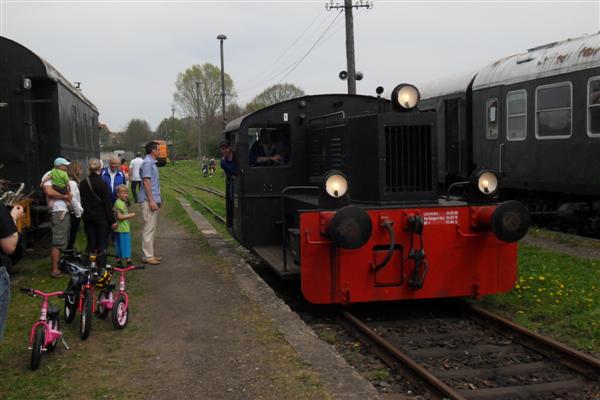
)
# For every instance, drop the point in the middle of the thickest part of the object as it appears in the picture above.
(233, 187)
(4, 112)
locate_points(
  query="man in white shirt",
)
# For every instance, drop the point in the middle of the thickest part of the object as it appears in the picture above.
(60, 223)
(134, 174)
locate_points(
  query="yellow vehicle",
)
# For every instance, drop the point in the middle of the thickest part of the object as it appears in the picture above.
(163, 153)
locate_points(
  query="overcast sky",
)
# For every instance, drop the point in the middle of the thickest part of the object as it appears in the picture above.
(127, 54)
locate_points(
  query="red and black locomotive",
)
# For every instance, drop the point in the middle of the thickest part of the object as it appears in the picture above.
(341, 191)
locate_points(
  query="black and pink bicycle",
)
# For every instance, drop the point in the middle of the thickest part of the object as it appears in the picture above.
(117, 301)
(45, 333)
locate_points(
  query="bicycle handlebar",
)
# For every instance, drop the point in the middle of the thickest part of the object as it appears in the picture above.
(35, 292)
(128, 268)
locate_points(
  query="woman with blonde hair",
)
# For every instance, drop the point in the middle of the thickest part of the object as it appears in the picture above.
(74, 172)
(98, 215)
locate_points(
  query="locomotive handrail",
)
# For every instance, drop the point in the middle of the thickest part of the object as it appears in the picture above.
(283, 221)
(453, 185)
(463, 234)
(389, 226)
(309, 241)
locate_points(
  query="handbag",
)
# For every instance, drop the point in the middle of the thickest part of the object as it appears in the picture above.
(92, 189)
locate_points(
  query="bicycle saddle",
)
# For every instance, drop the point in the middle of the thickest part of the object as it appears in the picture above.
(53, 311)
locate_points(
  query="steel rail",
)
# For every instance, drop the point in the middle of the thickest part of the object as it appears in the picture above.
(204, 188)
(180, 189)
(574, 359)
(439, 389)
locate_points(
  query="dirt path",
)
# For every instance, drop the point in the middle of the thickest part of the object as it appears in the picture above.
(204, 340)
(564, 243)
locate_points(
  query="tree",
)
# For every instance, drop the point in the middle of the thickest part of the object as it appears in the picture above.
(136, 134)
(204, 100)
(274, 94)
(208, 98)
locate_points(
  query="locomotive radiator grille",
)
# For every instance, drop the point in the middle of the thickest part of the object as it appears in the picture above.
(408, 159)
(315, 155)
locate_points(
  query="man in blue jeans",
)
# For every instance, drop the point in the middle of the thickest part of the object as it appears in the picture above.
(9, 237)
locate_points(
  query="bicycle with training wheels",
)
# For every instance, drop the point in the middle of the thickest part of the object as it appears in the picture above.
(45, 333)
(117, 302)
(76, 265)
(81, 288)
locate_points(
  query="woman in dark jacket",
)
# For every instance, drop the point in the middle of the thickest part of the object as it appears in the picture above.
(98, 215)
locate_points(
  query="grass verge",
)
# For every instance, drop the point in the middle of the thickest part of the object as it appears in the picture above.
(90, 369)
(556, 295)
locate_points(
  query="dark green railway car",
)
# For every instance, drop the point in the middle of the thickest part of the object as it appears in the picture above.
(534, 118)
(42, 116)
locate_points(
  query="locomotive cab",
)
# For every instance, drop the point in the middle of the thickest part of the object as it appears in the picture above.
(341, 191)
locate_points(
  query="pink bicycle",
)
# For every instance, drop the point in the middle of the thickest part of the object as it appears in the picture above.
(117, 302)
(46, 331)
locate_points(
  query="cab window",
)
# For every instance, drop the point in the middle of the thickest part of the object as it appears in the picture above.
(269, 146)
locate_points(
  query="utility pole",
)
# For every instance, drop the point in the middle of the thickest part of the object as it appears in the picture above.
(221, 38)
(173, 133)
(198, 116)
(348, 5)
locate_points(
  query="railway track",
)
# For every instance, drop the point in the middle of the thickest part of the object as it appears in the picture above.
(181, 190)
(199, 187)
(476, 355)
(469, 353)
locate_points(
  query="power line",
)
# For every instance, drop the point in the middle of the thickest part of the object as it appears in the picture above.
(274, 63)
(311, 49)
(280, 72)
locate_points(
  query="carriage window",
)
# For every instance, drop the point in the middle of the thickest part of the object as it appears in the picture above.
(516, 115)
(269, 146)
(553, 111)
(594, 107)
(492, 119)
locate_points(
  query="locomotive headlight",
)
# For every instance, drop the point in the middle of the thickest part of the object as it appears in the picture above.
(405, 97)
(486, 181)
(336, 184)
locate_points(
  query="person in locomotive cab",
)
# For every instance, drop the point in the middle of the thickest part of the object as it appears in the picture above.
(228, 165)
(263, 152)
(227, 158)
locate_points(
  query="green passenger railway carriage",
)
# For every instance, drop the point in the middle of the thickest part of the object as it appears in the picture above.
(42, 116)
(535, 118)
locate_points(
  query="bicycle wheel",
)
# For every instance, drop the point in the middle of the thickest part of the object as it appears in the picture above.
(70, 304)
(101, 310)
(85, 325)
(36, 350)
(55, 325)
(120, 313)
